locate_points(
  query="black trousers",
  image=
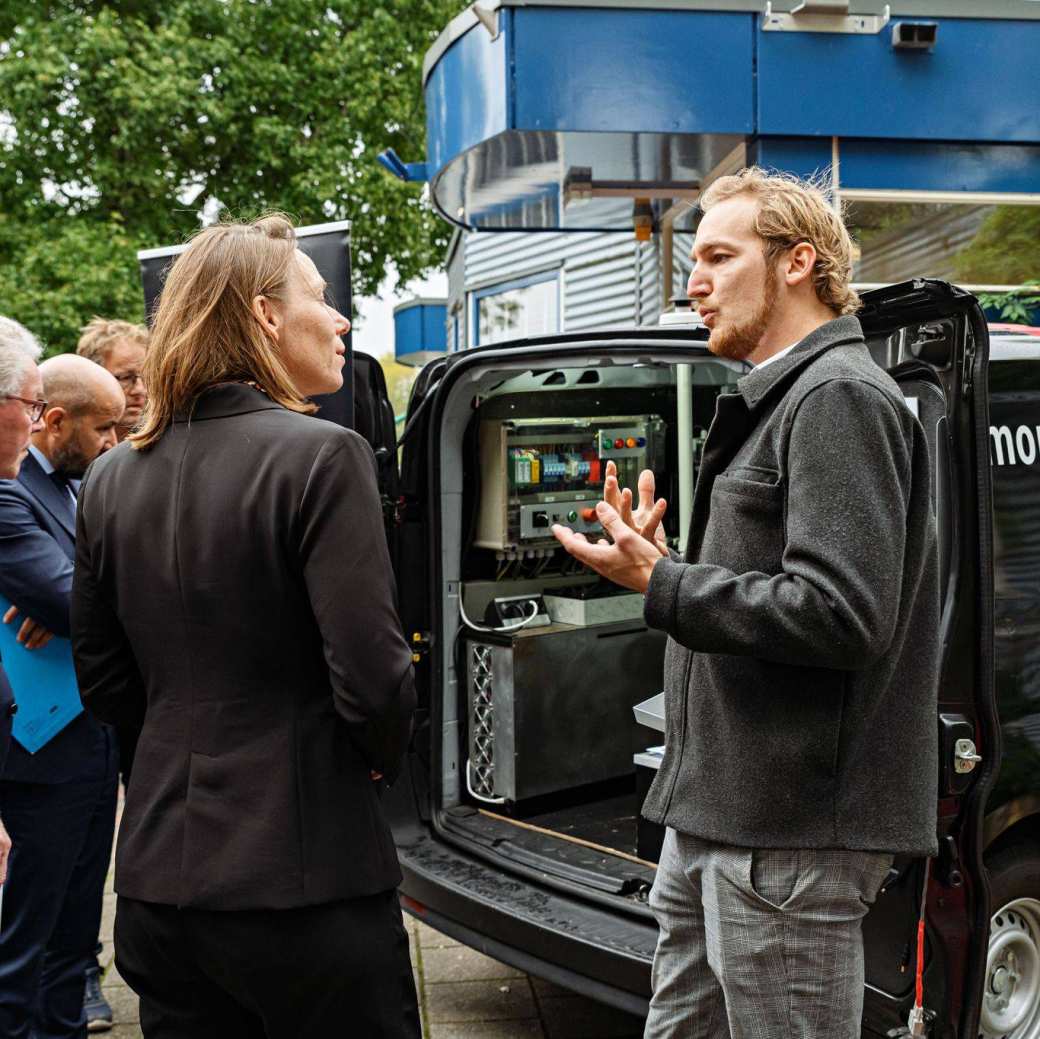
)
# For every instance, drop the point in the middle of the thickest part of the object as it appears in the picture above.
(61, 837)
(319, 972)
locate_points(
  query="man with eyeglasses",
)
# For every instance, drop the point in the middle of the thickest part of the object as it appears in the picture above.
(119, 347)
(59, 803)
(21, 405)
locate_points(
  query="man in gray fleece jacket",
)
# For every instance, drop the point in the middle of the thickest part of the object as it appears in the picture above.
(801, 671)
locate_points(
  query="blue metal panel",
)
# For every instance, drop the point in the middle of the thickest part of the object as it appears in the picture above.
(802, 156)
(979, 84)
(910, 166)
(631, 70)
(625, 97)
(466, 98)
(407, 331)
(420, 328)
(907, 165)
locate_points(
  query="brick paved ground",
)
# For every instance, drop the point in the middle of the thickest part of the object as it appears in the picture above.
(462, 994)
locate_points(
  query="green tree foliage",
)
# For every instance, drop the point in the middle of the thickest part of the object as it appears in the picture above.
(119, 119)
(1016, 306)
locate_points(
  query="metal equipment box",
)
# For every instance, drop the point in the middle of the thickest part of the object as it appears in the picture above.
(585, 612)
(550, 709)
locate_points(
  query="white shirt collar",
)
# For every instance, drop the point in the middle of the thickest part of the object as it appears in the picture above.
(776, 356)
(44, 461)
(45, 464)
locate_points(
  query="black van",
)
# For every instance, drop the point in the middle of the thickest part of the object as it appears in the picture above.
(516, 816)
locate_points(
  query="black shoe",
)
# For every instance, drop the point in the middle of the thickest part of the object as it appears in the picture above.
(99, 1013)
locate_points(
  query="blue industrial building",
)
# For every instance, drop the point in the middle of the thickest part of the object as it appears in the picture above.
(598, 122)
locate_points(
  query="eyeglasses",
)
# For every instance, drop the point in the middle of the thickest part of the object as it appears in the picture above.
(35, 409)
(128, 379)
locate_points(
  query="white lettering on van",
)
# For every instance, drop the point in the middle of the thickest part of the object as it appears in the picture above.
(1001, 435)
(1014, 447)
(1025, 445)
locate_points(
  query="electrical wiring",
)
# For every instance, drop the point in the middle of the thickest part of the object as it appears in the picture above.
(474, 794)
(917, 1025)
(506, 627)
(539, 570)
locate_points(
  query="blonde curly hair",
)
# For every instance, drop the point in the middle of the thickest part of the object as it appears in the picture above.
(791, 210)
(99, 335)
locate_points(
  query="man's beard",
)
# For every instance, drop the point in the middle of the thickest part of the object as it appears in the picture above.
(70, 461)
(737, 343)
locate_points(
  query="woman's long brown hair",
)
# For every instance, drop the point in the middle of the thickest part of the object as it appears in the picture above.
(205, 330)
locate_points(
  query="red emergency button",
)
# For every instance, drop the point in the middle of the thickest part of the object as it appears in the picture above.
(619, 442)
(588, 515)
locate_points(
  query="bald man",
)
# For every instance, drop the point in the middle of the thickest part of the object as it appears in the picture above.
(59, 803)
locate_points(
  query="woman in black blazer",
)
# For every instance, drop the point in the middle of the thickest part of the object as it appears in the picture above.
(233, 593)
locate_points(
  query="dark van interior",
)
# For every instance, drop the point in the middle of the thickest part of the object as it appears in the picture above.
(555, 705)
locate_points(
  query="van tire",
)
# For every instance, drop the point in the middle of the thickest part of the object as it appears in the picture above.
(1011, 992)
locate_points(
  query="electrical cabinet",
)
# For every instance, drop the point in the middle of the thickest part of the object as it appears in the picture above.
(537, 472)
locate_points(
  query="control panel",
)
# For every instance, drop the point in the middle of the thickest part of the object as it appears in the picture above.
(537, 472)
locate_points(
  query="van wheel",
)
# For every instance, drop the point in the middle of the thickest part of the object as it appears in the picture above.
(1011, 997)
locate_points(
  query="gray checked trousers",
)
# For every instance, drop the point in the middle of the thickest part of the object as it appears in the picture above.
(759, 943)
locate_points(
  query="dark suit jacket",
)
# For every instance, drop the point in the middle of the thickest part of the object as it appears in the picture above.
(37, 528)
(234, 582)
(7, 707)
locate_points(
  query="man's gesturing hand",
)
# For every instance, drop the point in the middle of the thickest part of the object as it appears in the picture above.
(628, 562)
(646, 520)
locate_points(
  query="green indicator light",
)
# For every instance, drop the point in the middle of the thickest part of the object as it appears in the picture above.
(572, 515)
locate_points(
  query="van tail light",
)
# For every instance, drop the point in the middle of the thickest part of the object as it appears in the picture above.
(412, 906)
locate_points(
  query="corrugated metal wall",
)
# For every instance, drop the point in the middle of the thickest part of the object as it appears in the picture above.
(607, 279)
(493, 258)
(457, 317)
(600, 283)
(682, 246)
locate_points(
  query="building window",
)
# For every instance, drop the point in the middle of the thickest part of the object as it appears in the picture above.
(972, 244)
(518, 309)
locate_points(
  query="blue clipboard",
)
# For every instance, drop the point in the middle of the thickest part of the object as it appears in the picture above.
(44, 684)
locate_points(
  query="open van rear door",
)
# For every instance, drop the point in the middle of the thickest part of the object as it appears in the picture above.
(932, 338)
(374, 420)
